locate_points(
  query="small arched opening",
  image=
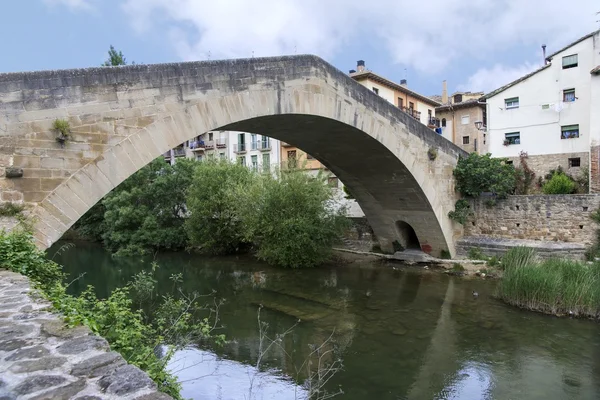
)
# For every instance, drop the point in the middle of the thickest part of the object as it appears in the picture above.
(407, 236)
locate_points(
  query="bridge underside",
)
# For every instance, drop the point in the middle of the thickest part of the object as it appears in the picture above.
(122, 118)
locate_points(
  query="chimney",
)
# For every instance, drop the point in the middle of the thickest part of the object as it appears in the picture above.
(352, 71)
(444, 92)
(544, 52)
(403, 82)
(360, 65)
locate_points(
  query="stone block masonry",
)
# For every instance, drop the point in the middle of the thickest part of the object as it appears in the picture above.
(544, 163)
(557, 218)
(40, 358)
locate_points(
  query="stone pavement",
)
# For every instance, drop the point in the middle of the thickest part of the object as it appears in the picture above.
(41, 358)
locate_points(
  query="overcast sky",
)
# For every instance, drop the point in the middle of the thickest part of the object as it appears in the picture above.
(473, 44)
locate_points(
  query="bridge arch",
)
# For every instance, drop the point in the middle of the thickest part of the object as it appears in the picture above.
(136, 113)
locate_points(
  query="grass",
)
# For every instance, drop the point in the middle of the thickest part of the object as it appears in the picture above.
(9, 209)
(558, 287)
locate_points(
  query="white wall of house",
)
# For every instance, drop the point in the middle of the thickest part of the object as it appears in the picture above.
(256, 150)
(383, 91)
(541, 112)
(423, 108)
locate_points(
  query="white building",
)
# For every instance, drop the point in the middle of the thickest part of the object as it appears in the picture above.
(552, 114)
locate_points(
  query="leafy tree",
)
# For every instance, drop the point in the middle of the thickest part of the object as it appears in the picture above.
(219, 190)
(114, 58)
(91, 225)
(147, 211)
(476, 174)
(292, 219)
(560, 183)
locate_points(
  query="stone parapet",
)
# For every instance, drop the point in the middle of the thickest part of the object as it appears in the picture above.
(41, 358)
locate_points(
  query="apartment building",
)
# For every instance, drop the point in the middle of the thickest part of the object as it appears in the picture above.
(463, 119)
(420, 107)
(552, 114)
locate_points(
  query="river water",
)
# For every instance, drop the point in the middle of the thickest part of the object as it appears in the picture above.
(400, 333)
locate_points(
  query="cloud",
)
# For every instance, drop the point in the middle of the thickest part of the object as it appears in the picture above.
(71, 4)
(488, 79)
(428, 36)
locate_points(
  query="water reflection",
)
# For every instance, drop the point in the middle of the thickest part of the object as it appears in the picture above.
(402, 334)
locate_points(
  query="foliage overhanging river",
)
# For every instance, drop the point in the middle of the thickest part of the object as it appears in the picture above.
(401, 334)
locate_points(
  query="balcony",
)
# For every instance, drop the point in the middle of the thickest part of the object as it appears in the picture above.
(412, 112)
(177, 152)
(264, 145)
(254, 145)
(433, 122)
(221, 143)
(197, 145)
(240, 148)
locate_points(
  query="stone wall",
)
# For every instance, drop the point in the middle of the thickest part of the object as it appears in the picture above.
(542, 164)
(41, 358)
(564, 218)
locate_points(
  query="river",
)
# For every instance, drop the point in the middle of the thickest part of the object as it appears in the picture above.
(400, 333)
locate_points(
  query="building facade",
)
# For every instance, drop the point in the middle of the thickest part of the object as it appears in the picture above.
(420, 107)
(552, 113)
(463, 120)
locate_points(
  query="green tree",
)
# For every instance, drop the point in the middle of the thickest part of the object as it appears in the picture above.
(147, 211)
(219, 189)
(293, 220)
(476, 174)
(114, 58)
(560, 183)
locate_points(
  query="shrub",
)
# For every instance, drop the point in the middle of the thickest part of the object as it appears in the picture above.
(10, 209)
(559, 184)
(461, 212)
(524, 176)
(476, 174)
(445, 255)
(475, 253)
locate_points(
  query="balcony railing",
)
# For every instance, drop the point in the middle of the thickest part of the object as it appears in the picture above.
(221, 143)
(412, 112)
(177, 152)
(197, 145)
(433, 122)
(254, 145)
(240, 148)
(265, 145)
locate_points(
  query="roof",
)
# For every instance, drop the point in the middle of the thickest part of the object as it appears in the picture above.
(581, 39)
(462, 104)
(513, 83)
(378, 78)
(595, 71)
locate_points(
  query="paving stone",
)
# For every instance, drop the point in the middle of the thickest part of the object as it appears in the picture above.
(43, 364)
(38, 382)
(99, 365)
(13, 344)
(58, 328)
(15, 331)
(28, 353)
(154, 396)
(125, 380)
(83, 343)
(62, 393)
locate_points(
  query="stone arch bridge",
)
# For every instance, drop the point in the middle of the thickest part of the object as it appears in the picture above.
(121, 118)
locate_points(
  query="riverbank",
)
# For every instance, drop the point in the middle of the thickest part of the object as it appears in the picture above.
(42, 358)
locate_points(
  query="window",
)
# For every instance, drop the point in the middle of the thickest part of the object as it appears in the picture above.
(266, 161)
(513, 102)
(292, 161)
(242, 160)
(222, 156)
(484, 138)
(443, 122)
(253, 141)
(332, 181)
(375, 90)
(545, 106)
(400, 102)
(429, 113)
(466, 139)
(254, 161)
(569, 132)
(568, 95)
(458, 98)
(411, 105)
(512, 138)
(464, 120)
(574, 162)
(210, 136)
(509, 162)
(569, 61)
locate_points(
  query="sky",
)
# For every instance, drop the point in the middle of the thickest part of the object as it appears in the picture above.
(476, 45)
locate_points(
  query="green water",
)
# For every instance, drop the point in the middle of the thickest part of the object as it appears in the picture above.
(400, 333)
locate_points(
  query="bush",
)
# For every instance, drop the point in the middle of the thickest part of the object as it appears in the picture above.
(10, 209)
(559, 184)
(219, 191)
(292, 219)
(461, 212)
(476, 174)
